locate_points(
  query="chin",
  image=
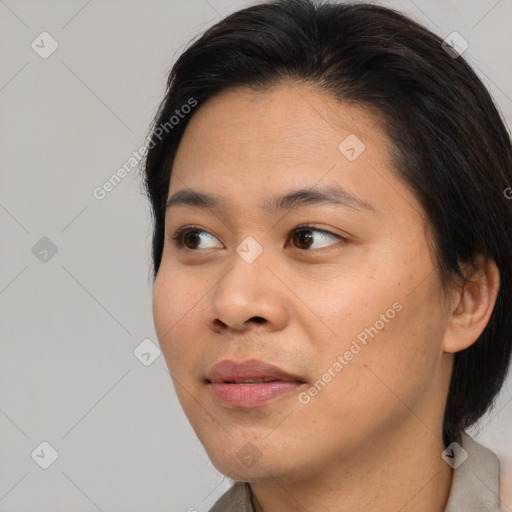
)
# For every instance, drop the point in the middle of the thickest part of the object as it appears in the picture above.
(252, 464)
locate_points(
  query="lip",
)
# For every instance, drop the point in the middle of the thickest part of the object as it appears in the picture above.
(228, 383)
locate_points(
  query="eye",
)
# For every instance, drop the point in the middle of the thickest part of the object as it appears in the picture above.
(302, 235)
(189, 237)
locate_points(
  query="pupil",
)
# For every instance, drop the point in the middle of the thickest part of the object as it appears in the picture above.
(305, 237)
(192, 234)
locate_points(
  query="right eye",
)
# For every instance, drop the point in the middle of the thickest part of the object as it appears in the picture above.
(188, 236)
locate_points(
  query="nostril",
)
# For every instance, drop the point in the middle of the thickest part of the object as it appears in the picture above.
(258, 319)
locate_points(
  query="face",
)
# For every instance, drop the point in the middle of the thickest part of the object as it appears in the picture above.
(334, 300)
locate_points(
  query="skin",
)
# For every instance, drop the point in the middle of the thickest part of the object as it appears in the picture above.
(372, 436)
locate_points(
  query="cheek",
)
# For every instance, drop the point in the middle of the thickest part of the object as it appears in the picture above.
(381, 385)
(389, 340)
(163, 307)
(176, 310)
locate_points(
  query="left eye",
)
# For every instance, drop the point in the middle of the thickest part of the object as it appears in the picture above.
(303, 235)
(190, 237)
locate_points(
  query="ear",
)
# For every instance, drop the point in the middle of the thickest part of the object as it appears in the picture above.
(472, 305)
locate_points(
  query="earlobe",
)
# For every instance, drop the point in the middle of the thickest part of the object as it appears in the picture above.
(473, 304)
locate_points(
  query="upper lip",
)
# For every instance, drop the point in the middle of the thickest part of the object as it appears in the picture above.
(251, 369)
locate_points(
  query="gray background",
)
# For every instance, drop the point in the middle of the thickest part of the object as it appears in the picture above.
(70, 321)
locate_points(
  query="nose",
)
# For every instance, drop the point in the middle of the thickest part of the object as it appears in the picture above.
(249, 295)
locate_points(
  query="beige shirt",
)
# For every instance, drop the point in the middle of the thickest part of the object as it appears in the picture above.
(475, 485)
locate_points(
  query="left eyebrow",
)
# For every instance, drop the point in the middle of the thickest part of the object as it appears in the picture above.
(330, 195)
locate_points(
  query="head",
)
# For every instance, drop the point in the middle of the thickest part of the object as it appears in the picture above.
(392, 301)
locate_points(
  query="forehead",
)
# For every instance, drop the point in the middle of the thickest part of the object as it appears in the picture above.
(290, 119)
(250, 144)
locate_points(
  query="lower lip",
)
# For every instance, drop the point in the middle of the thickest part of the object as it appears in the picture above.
(251, 395)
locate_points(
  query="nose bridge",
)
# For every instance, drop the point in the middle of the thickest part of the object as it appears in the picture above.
(247, 274)
(247, 290)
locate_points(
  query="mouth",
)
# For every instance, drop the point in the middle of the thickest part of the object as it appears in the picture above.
(250, 381)
(250, 384)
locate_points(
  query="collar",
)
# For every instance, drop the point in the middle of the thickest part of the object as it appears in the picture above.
(476, 482)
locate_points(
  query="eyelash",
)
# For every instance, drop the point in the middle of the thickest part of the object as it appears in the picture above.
(177, 238)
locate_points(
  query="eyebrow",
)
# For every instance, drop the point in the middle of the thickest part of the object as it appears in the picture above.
(330, 195)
